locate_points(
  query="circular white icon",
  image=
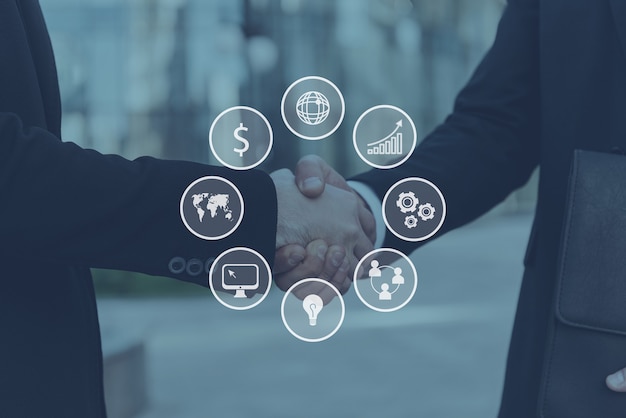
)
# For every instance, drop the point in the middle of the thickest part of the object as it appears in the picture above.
(312, 310)
(312, 108)
(384, 136)
(390, 280)
(211, 207)
(241, 138)
(240, 278)
(414, 209)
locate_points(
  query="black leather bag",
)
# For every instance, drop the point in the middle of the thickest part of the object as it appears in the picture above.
(587, 338)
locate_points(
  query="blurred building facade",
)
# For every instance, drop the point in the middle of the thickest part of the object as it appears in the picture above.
(147, 77)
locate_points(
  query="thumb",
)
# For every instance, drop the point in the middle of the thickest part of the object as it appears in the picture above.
(617, 381)
(310, 176)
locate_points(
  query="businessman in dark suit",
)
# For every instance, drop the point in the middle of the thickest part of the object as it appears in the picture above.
(64, 209)
(553, 81)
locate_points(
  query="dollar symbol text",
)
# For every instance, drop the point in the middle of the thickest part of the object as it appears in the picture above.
(243, 140)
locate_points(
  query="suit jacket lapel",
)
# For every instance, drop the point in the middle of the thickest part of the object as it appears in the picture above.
(618, 9)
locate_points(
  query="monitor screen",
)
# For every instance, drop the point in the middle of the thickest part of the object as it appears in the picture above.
(240, 276)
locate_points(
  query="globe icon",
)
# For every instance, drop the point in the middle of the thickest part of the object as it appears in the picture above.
(312, 108)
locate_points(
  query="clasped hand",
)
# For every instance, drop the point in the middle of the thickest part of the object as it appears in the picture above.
(323, 226)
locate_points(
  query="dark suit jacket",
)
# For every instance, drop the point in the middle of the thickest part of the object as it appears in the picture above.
(64, 209)
(554, 81)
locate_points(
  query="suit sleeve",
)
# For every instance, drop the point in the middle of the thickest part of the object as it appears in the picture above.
(489, 145)
(63, 204)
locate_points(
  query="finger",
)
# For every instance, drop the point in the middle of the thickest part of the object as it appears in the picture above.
(334, 260)
(617, 381)
(311, 266)
(353, 262)
(340, 279)
(343, 283)
(288, 257)
(310, 176)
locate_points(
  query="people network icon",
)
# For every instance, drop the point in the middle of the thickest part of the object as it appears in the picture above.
(397, 280)
(391, 280)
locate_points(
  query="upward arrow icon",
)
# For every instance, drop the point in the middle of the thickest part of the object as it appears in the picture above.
(398, 126)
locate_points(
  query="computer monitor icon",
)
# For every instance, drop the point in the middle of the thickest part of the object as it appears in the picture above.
(240, 277)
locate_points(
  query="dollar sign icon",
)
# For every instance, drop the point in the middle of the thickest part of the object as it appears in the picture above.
(243, 140)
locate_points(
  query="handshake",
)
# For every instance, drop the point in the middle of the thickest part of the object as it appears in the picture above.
(324, 227)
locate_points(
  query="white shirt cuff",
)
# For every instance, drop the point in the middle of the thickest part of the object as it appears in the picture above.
(376, 207)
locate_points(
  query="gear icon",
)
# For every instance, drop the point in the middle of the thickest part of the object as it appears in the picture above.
(407, 202)
(426, 211)
(410, 221)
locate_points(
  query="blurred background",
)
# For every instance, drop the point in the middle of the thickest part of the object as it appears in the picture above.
(147, 77)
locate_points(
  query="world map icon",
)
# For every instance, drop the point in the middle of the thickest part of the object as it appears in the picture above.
(312, 108)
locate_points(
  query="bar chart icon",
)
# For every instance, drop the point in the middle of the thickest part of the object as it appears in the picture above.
(389, 145)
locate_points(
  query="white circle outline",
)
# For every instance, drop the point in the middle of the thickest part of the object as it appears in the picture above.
(284, 99)
(267, 268)
(443, 215)
(269, 129)
(356, 126)
(357, 280)
(182, 213)
(295, 334)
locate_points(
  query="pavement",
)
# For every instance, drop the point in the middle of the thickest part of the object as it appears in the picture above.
(442, 355)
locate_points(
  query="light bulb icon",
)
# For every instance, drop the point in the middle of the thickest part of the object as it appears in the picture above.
(312, 305)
